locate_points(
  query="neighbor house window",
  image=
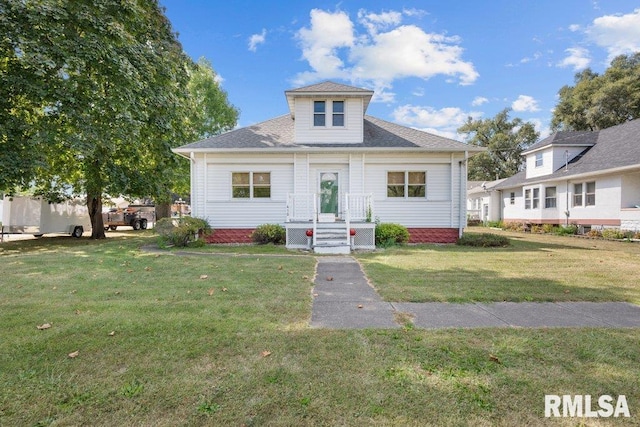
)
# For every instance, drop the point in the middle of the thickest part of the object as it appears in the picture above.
(590, 194)
(550, 197)
(337, 113)
(251, 185)
(539, 161)
(512, 198)
(527, 199)
(319, 113)
(406, 184)
(577, 194)
(535, 202)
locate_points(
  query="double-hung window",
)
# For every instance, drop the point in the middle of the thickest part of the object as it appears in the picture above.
(527, 198)
(550, 197)
(337, 110)
(590, 198)
(577, 194)
(512, 198)
(251, 185)
(535, 202)
(319, 113)
(539, 160)
(407, 184)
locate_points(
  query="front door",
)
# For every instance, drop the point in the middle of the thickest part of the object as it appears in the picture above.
(329, 192)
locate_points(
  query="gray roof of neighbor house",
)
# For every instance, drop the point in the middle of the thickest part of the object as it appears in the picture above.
(278, 133)
(483, 186)
(586, 138)
(615, 147)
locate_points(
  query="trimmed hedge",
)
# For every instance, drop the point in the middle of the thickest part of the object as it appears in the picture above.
(389, 234)
(484, 240)
(269, 233)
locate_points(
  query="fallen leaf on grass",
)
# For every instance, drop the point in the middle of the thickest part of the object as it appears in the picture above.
(44, 326)
(566, 291)
(204, 276)
(305, 277)
(265, 353)
(494, 359)
(224, 289)
(112, 333)
(279, 267)
(74, 354)
(147, 269)
(211, 291)
(360, 306)
(129, 271)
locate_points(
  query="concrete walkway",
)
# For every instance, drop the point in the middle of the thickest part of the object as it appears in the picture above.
(344, 299)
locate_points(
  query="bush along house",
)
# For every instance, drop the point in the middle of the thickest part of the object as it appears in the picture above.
(325, 171)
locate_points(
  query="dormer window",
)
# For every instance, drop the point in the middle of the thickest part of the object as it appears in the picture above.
(539, 161)
(338, 113)
(319, 113)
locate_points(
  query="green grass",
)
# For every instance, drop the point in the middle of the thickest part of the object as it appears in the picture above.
(533, 268)
(160, 345)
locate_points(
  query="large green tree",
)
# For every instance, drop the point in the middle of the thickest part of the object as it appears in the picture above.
(600, 101)
(505, 141)
(95, 94)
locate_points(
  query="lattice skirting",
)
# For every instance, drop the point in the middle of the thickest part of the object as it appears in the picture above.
(297, 237)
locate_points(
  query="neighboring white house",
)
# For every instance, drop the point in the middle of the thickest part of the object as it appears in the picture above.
(329, 168)
(590, 179)
(483, 201)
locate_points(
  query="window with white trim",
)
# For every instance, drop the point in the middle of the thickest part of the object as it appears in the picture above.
(337, 111)
(527, 198)
(251, 185)
(590, 194)
(512, 198)
(407, 184)
(539, 160)
(550, 197)
(577, 194)
(535, 200)
(319, 113)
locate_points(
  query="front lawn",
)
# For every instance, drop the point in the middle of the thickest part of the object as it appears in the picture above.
(533, 268)
(217, 339)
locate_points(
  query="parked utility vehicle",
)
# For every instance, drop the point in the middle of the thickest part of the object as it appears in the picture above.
(136, 216)
(37, 216)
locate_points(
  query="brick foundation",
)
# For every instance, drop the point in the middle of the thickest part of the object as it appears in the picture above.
(231, 235)
(433, 235)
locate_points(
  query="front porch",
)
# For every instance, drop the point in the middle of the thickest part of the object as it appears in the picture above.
(335, 228)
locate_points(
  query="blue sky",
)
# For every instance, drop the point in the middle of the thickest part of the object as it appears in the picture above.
(431, 64)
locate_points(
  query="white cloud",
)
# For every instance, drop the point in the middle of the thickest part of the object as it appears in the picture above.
(386, 51)
(257, 39)
(375, 22)
(479, 100)
(328, 32)
(525, 103)
(619, 34)
(574, 27)
(577, 57)
(444, 121)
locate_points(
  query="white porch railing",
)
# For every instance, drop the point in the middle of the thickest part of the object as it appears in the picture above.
(305, 207)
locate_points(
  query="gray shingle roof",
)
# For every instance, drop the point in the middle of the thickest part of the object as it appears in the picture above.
(565, 138)
(279, 133)
(329, 86)
(615, 147)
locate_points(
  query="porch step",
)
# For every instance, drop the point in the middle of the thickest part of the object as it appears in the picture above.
(331, 238)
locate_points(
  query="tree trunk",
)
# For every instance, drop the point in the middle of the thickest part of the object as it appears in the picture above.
(94, 203)
(163, 210)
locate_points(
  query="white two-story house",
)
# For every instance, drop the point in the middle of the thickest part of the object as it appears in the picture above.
(590, 179)
(327, 170)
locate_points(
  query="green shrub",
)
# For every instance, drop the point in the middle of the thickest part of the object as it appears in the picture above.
(269, 233)
(594, 233)
(614, 233)
(484, 240)
(567, 230)
(513, 226)
(495, 224)
(548, 228)
(389, 234)
(181, 231)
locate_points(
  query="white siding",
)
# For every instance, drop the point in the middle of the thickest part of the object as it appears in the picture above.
(547, 164)
(438, 209)
(305, 132)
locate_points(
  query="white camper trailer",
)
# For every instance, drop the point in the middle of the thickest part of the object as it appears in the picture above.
(34, 215)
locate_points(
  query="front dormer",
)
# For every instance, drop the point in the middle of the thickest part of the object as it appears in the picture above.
(556, 151)
(328, 113)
